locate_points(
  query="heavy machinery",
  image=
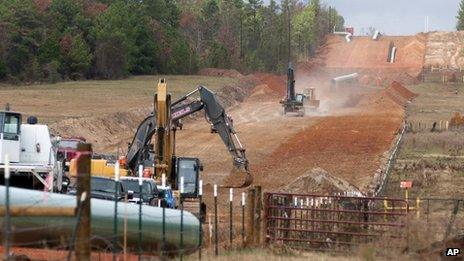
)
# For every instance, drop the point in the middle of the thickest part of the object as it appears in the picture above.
(32, 154)
(295, 102)
(164, 122)
(310, 94)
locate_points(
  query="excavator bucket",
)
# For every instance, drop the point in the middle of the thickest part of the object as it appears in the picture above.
(238, 179)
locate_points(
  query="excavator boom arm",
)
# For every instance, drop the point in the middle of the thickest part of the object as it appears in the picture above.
(222, 123)
(180, 109)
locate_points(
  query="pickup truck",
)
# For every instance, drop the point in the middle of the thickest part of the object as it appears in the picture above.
(167, 197)
(104, 188)
(67, 149)
(150, 192)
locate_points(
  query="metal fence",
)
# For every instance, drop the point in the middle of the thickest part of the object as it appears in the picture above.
(332, 223)
(224, 228)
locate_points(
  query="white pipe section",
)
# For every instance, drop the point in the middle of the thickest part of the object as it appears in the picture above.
(393, 55)
(346, 77)
(348, 35)
(376, 35)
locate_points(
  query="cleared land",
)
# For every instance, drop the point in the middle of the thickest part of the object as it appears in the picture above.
(350, 136)
(55, 102)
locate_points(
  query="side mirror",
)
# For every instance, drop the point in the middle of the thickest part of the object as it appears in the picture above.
(130, 194)
(64, 185)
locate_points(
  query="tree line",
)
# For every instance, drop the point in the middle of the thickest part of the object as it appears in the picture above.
(54, 40)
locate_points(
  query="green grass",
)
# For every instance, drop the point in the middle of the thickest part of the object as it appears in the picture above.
(53, 102)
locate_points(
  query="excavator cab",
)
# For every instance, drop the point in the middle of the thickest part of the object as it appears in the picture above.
(189, 168)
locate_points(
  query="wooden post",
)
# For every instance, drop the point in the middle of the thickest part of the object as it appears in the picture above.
(82, 247)
(254, 218)
(258, 221)
(250, 205)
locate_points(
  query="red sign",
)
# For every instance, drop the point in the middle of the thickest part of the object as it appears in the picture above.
(406, 184)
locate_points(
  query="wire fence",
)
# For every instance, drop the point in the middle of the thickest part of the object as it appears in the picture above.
(126, 229)
(309, 222)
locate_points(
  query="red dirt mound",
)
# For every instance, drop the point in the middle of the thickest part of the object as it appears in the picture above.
(394, 96)
(219, 72)
(349, 147)
(275, 83)
(405, 93)
(396, 93)
(364, 53)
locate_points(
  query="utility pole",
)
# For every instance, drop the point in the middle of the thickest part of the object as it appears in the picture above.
(427, 24)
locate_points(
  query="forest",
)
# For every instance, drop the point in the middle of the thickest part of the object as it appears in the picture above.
(56, 40)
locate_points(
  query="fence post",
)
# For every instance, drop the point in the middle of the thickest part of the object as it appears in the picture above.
(418, 207)
(452, 219)
(231, 227)
(6, 241)
(83, 186)
(216, 250)
(181, 218)
(163, 246)
(255, 207)
(243, 218)
(115, 220)
(140, 209)
(200, 232)
(250, 220)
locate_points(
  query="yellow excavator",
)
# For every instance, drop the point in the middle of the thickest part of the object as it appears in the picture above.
(155, 139)
(163, 124)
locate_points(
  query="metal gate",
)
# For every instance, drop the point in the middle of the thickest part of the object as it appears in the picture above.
(335, 223)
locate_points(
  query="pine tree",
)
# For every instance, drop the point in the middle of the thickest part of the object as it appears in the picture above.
(460, 17)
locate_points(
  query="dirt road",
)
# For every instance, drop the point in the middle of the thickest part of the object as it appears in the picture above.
(348, 142)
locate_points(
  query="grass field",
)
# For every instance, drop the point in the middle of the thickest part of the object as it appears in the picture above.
(434, 161)
(54, 102)
(435, 102)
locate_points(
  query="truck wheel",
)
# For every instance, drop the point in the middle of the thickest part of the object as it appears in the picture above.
(154, 202)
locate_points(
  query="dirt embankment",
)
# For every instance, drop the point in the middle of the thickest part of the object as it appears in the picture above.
(219, 72)
(369, 58)
(351, 147)
(111, 132)
(445, 49)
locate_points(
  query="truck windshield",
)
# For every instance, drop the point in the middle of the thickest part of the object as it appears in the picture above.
(188, 170)
(1, 122)
(72, 144)
(134, 186)
(103, 185)
(11, 124)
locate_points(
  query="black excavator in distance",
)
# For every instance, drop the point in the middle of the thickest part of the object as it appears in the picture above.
(295, 102)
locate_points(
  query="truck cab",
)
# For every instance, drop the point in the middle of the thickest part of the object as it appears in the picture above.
(10, 139)
(189, 168)
(32, 155)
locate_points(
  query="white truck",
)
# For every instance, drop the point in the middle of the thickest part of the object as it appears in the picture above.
(32, 154)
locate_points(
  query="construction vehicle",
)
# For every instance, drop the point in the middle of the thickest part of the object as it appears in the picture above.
(293, 102)
(163, 124)
(32, 154)
(310, 94)
(67, 149)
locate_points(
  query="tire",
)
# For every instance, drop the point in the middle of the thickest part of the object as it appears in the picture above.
(154, 202)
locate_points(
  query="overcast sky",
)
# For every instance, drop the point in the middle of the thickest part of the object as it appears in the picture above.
(398, 17)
